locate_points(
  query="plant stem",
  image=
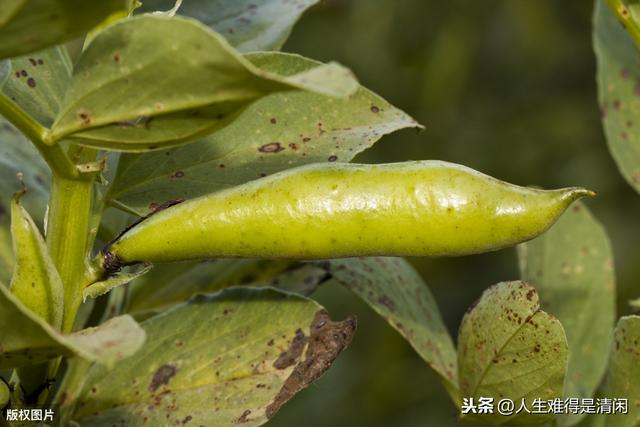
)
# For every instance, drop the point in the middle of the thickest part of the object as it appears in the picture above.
(70, 207)
(54, 155)
(625, 17)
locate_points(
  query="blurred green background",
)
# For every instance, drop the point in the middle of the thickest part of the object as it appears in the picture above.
(505, 87)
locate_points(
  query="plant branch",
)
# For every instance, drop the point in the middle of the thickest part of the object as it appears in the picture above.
(54, 155)
(625, 17)
(70, 210)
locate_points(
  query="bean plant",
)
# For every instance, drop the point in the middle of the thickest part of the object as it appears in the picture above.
(174, 189)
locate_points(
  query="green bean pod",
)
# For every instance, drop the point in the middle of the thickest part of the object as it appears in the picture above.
(422, 208)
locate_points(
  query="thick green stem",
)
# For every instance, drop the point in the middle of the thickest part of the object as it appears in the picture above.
(67, 238)
(54, 155)
(622, 12)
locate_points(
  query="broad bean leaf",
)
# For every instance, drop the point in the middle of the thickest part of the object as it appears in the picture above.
(510, 349)
(396, 292)
(571, 266)
(35, 281)
(623, 379)
(233, 358)
(249, 25)
(618, 78)
(31, 340)
(18, 155)
(30, 25)
(38, 82)
(277, 132)
(126, 94)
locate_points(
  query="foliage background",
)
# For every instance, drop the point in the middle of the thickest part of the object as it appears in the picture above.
(507, 88)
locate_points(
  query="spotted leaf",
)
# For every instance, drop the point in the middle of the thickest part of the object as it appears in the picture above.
(618, 91)
(230, 358)
(510, 349)
(277, 132)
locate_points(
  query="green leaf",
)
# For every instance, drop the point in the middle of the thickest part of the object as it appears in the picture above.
(571, 266)
(510, 349)
(30, 340)
(396, 292)
(18, 155)
(30, 25)
(248, 25)
(624, 372)
(618, 91)
(277, 132)
(232, 358)
(35, 280)
(39, 81)
(140, 97)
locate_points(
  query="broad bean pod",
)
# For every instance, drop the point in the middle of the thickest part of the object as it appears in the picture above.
(420, 208)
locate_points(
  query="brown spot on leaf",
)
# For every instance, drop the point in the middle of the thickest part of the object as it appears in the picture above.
(273, 147)
(327, 340)
(116, 57)
(31, 82)
(177, 174)
(531, 294)
(387, 302)
(332, 158)
(291, 355)
(85, 118)
(375, 109)
(273, 120)
(33, 62)
(243, 418)
(162, 377)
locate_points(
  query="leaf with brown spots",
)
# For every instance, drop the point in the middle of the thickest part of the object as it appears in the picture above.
(571, 266)
(30, 25)
(49, 71)
(396, 291)
(308, 128)
(204, 84)
(619, 91)
(249, 25)
(221, 362)
(510, 349)
(34, 341)
(623, 380)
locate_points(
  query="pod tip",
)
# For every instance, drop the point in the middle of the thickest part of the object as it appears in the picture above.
(576, 193)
